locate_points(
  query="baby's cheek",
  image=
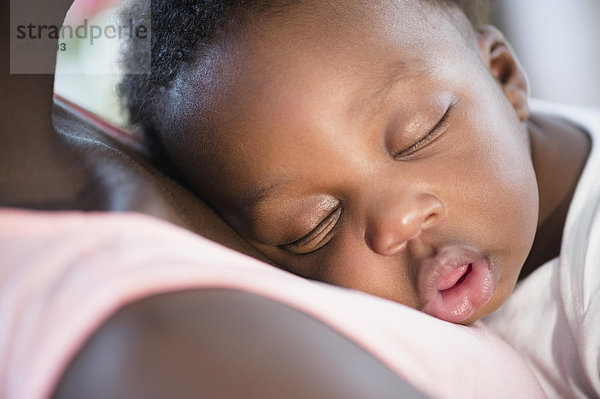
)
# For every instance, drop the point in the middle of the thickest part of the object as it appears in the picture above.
(509, 197)
(491, 192)
(349, 262)
(517, 195)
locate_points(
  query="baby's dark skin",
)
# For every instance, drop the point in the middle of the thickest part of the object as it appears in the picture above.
(104, 369)
(352, 144)
(139, 352)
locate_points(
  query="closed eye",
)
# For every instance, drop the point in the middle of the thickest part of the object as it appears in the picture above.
(431, 136)
(317, 238)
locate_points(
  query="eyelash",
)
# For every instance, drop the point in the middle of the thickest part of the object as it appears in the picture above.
(429, 137)
(331, 219)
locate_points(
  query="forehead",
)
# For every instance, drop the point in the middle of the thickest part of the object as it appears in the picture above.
(352, 36)
(301, 70)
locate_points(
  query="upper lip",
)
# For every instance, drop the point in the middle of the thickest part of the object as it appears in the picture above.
(433, 270)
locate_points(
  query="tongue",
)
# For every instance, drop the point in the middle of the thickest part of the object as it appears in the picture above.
(452, 278)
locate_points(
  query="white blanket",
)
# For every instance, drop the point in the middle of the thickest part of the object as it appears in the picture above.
(553, 318)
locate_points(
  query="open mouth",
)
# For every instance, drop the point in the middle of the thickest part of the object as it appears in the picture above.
(455, 278)
(461, 291)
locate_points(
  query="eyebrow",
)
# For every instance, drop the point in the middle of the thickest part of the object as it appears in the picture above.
(252, 198)
(394, 73)
(397, 71)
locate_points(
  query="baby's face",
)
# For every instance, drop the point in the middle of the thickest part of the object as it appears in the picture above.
(371, 149)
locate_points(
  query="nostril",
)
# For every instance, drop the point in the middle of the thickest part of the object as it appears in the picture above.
(430, 220)
(434, 214)
(396, 222)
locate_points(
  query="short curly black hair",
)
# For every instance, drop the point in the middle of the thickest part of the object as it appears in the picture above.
(180, 28)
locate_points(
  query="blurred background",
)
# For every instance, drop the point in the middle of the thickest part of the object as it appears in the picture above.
(557, 41)
(88, 74)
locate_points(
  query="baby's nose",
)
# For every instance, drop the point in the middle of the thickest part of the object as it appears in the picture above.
(395, 222)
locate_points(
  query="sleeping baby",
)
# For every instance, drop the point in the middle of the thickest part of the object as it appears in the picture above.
(387, 147)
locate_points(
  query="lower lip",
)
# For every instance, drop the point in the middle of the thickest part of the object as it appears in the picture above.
(474, 287)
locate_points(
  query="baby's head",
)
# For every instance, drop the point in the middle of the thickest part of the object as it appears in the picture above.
(377, 145)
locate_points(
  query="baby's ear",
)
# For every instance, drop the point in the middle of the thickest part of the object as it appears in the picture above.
(502, 62)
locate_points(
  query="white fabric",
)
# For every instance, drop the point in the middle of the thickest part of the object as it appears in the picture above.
(553, 317)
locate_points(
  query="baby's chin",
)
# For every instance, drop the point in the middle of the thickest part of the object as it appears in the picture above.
(474, 318)
(495, 303)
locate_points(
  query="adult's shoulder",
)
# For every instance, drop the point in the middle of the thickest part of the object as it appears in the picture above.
(223, 344)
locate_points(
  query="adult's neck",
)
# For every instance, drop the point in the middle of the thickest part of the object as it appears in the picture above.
(23, 93)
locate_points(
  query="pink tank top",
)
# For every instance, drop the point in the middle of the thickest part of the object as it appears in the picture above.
(63, 274)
